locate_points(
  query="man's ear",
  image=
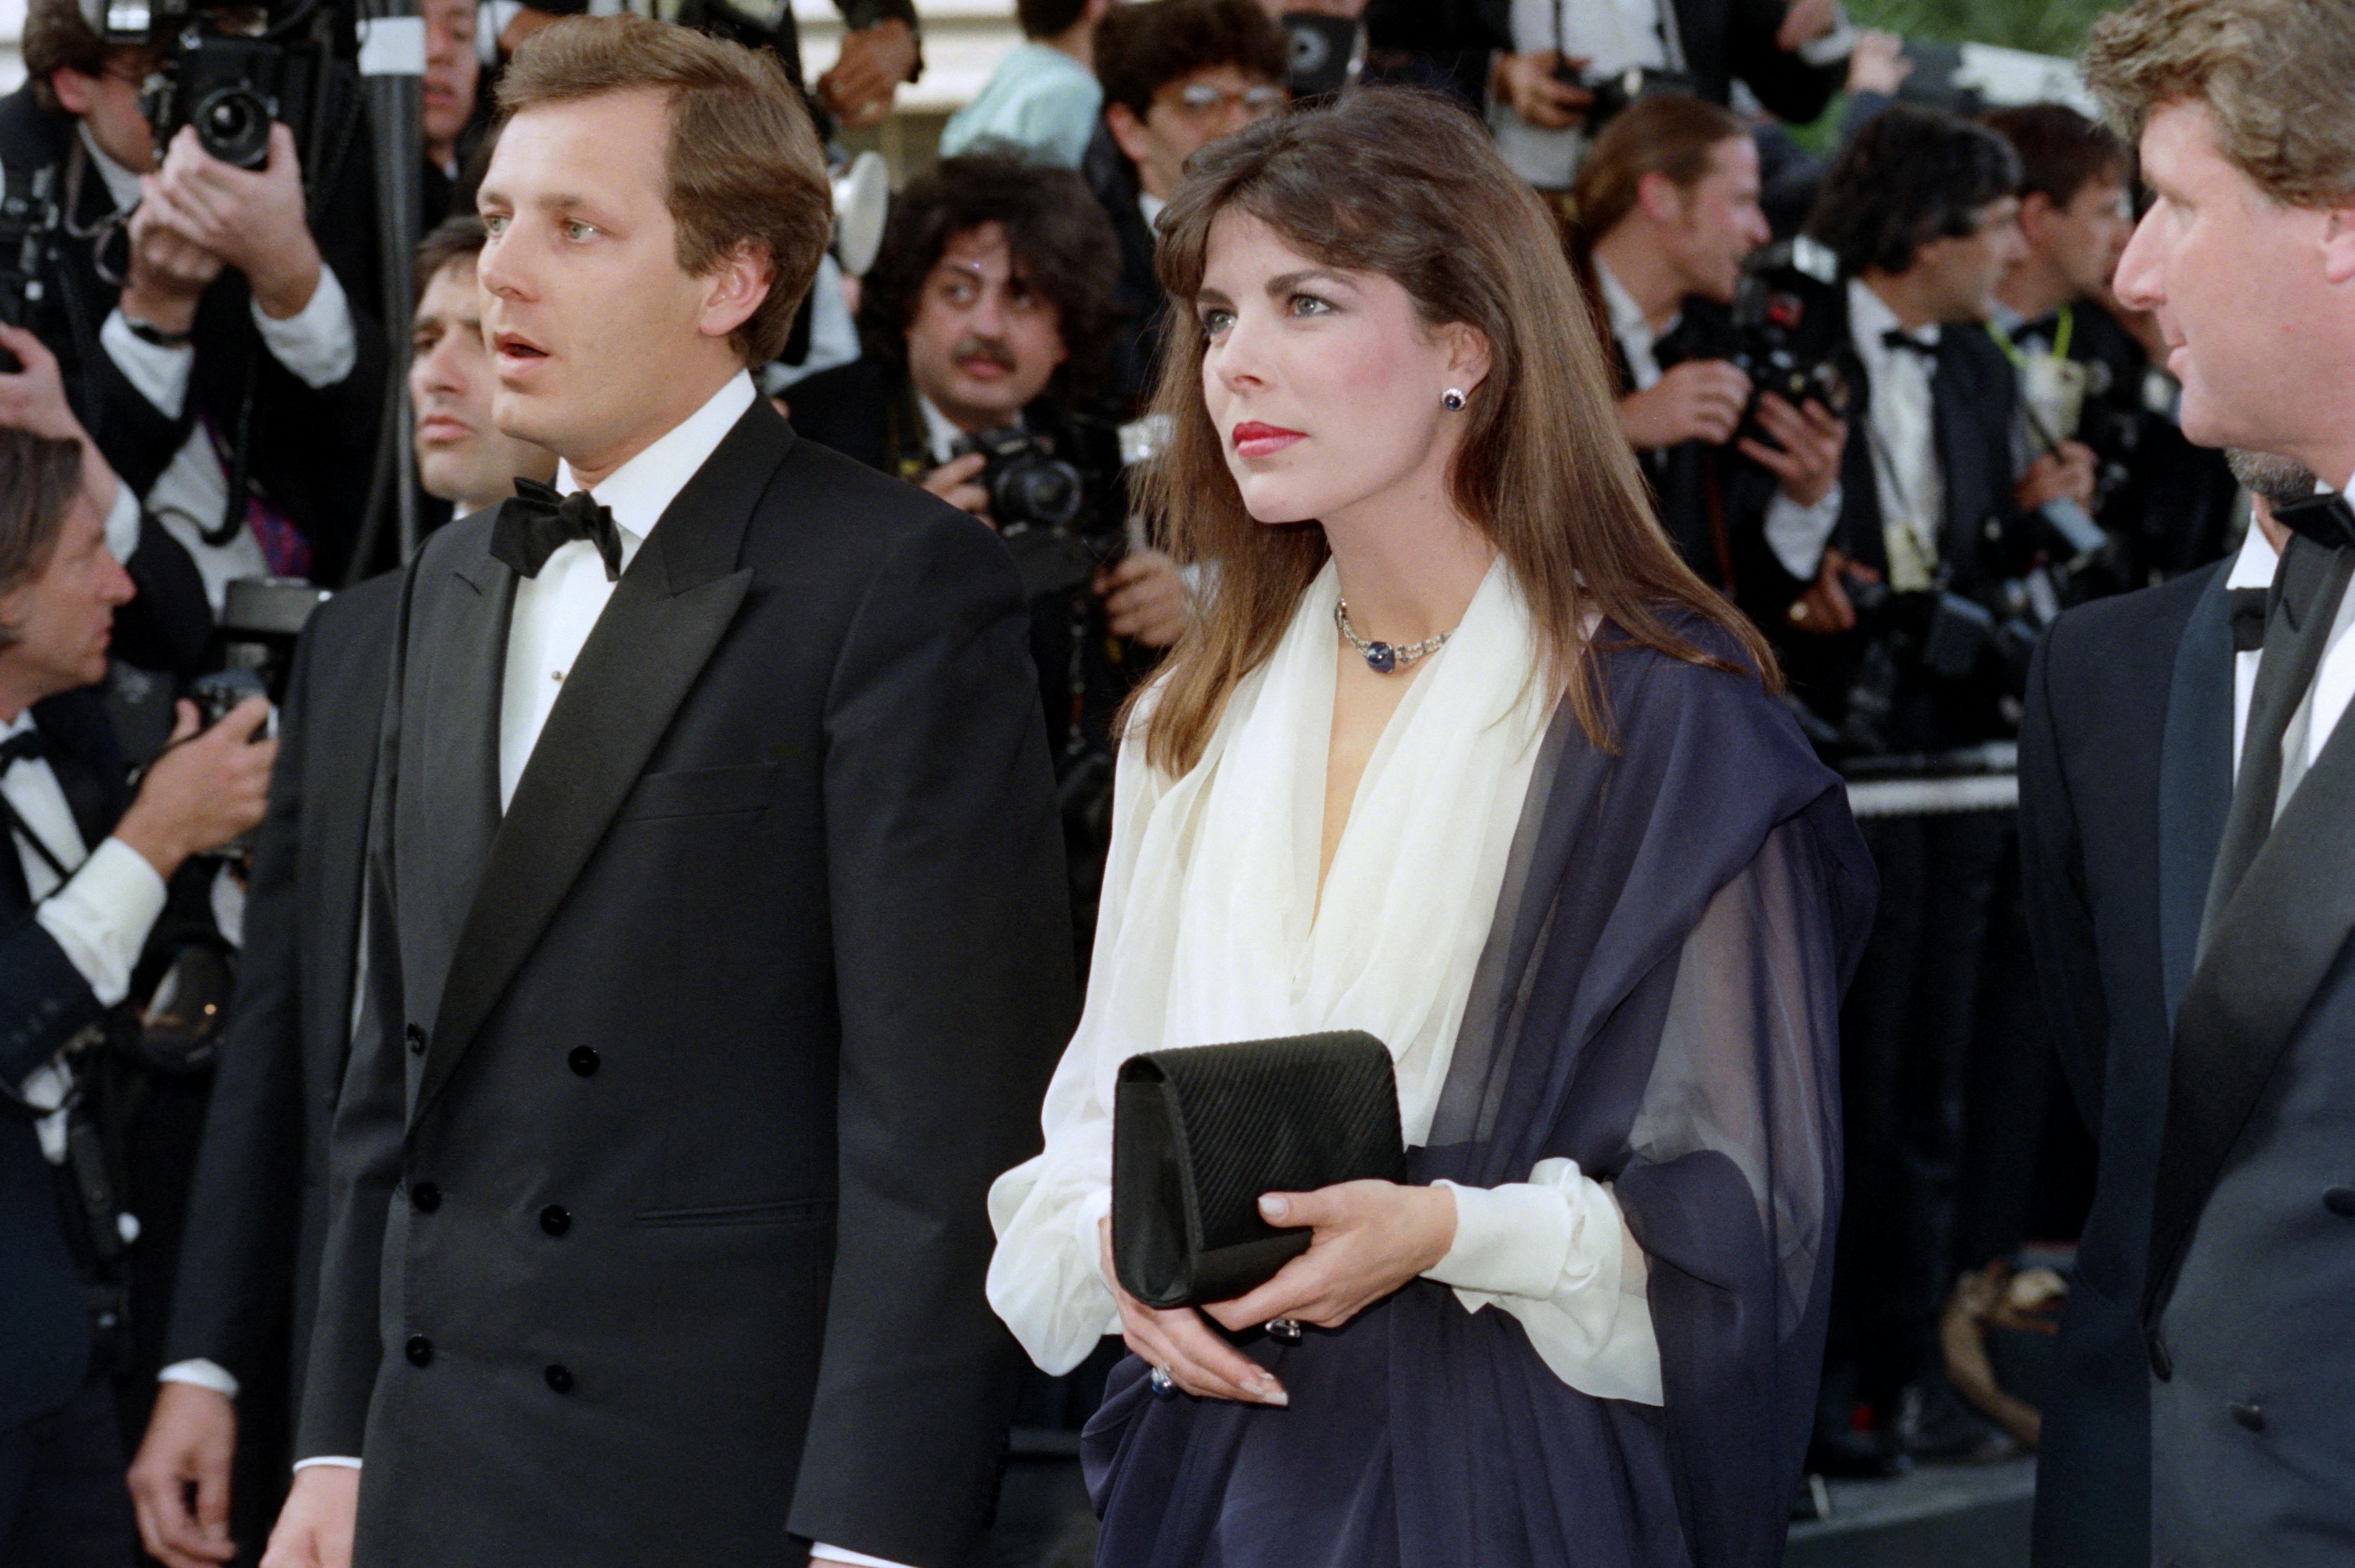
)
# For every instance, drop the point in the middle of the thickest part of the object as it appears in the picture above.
(1659, 199)
(1128, 132)
(2338, 245)
(73, 90)
(2037, 214)
(734, 289)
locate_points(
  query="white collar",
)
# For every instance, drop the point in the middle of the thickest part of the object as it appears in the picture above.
(2253, 566)
(1150, 205)
(1628, 323)
(121, 185)
(940, 434)
(639, 490)
(1869, 317)
(19, 724)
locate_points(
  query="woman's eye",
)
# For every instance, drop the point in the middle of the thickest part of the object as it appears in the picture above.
(1215, 322)
(1309, 304)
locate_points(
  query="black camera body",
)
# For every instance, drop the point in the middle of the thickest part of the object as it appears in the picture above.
(29, 219)
(1055, 499)
(1790, 328)
(230, 70)
(1615, 91)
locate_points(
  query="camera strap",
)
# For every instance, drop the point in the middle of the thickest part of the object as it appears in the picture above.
(22, 831)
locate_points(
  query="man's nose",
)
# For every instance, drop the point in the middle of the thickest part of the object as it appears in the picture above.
(2136, 282)
(115, 587)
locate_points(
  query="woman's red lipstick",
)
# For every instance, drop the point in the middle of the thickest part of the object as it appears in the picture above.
(1253, 439)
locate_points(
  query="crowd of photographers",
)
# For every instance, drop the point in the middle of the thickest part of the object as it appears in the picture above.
(1886, 401)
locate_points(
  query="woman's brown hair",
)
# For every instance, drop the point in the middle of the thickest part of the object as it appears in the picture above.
(1404, 185)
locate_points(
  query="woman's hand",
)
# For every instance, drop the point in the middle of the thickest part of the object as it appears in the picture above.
(1178, 1342)
(1368, 1239)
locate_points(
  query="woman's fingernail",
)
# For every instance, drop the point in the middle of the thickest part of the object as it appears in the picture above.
(1273, 1207)
(1272, 1393)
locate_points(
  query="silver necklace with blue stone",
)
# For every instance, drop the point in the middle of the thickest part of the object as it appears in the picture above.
(1384, 658)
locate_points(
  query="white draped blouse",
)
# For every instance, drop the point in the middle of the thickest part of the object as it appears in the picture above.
(1211, 928)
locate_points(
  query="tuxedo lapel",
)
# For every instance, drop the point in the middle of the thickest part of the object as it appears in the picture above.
(460, 718)
(1950, 417)
(2195, 781)
(667, 615)
(2269, 941)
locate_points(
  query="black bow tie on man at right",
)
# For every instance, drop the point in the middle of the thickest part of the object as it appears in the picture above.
(531, 527)
(2325, 517)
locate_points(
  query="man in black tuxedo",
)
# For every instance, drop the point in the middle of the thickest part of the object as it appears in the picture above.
(2126, 763)
(1667, 205)
(718, 951)
(247, 1287)
(81, 887)
(2247, 256)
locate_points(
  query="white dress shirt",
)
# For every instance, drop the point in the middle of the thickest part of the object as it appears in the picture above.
(1795, 533)
(2334, 681)
(317, 343)
(1905, 440)
(99, 916)
(2252, 568)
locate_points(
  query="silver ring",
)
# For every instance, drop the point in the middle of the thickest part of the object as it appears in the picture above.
(1163, 1383)
(1283, 1328)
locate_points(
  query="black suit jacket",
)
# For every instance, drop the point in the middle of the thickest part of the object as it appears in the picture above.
(686, 1077)
(258, 1208)
(2125, 764)
(45, 1322)
(311, 449)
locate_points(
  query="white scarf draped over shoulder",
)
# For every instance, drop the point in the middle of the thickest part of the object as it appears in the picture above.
(1211, 928)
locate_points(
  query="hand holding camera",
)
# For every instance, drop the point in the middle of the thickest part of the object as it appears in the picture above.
(1145, 598)
(1534, 85)
(2065, 473)
(251, 220)
(1803, 447)
(205, 788)
(1699, 400)
(958, 482)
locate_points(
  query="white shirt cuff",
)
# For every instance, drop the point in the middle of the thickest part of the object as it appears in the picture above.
(1510, 1241)
(1797, 534)
(316, 343)
(160, 374)
(202, 1374)
(102, 915)
(826, 1553)
(340, 1461)
(122, 523)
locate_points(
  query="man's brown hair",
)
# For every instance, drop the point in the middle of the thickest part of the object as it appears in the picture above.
(2274, 74)
(2060, 151)
(459, 239)
(743, 165)
(39, 477)
(58, 37)
(1144, 46)
(1670, 134)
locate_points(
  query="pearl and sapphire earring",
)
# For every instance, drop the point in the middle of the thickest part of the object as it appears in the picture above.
(1453, 399)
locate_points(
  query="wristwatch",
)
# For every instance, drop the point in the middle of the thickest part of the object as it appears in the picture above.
(148, 332)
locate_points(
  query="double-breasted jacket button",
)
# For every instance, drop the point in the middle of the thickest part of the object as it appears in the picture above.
(559, 1377)
(584, 1061)
(415, 1036)
(419, 1350)
(2250, 1414)
(2340, 1201)
(556, 1219)
(425, 1197)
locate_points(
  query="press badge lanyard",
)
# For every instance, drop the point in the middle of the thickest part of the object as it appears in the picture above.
(2064, 332)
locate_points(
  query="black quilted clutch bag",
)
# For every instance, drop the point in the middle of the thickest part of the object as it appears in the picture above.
(1198, 1134)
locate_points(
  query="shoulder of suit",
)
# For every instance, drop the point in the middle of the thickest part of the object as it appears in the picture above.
(350, 612)
(2120, 634)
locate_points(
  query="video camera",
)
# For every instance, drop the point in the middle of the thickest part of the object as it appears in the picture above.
(231, 70)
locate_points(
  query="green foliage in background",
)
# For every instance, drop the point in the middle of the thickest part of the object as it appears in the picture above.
(2046, 27)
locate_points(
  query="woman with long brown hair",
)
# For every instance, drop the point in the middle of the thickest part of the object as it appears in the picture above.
(1461, 755)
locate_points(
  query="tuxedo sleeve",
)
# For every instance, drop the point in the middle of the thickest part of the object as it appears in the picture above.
(1791, 87)
(44, 1001)
(2052, 883)
(953, 956)
(235, 1285)
(364, 1141)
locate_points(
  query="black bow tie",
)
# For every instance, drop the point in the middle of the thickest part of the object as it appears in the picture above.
(2246, 607)
(1898, 337)
(2324, 518)
(531, 527)
(24, 747)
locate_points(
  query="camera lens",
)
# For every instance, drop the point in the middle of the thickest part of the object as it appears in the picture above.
(233, 124)
(1043, 492)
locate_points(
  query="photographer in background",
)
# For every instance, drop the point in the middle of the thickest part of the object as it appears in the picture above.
(1042, 100)
(989, 308)
(450, 103)
(212, 1468)
(196, 311)
(1668, 211)
(1177, 75)
(1792, 54)
(77, 919)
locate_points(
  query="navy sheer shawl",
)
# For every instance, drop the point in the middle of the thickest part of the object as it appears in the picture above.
(1659, 1000)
